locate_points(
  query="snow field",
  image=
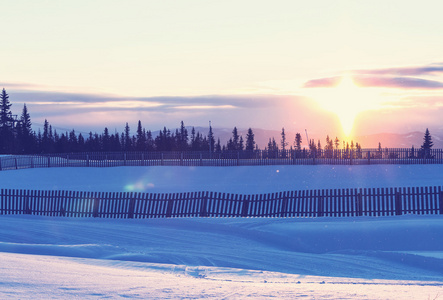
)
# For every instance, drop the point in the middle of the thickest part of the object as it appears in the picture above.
(314, 258)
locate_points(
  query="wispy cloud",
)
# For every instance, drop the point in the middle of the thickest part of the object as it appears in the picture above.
(398, 78)
(433, 69)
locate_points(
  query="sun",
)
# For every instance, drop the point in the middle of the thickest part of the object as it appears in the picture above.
(346, 100)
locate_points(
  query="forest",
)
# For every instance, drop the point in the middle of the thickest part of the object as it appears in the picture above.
(17, 137)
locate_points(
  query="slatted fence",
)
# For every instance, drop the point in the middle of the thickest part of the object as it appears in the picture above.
(303, 203)
(225, 158)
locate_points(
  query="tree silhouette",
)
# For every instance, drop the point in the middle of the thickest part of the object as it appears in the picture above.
(250, 142)
(427, 144)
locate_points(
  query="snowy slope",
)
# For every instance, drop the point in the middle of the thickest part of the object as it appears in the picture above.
(328, 258)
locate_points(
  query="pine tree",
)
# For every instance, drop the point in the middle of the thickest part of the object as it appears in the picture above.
(211, 140)
(283, 142)
(25, 133)
(250, 143)
(427, 144)
(6, 120)
(298, 141)
(337, 143)
(127, 139)
(6, 124)
(106, 140)
(141, 137)
(427, 140)
(235, 139)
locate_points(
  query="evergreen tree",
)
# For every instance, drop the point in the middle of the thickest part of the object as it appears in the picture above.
(141, 137)
(150, 145)
(427, 145)
(235, 139)
(6, 120)
(211, 140)
(283, 143)
(298, 141)
(337, 143)
(182, 137)
(250, 143)
(72, 142)
(106, 140)
(127, 139)
(427, 140)
(218, 147)
(6, 124)
(25, 133)
(46, 138)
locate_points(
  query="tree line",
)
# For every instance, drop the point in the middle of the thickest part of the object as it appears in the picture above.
(17, 137)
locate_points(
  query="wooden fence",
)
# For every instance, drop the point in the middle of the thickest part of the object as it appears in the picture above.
(303, 203)
(226, 158)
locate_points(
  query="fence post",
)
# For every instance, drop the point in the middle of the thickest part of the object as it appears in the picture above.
(204, 208)
(28, 210)
(441, 203)
(201, 159)
(351, 159)
(238, 158)
(16, 164)
(284, 207)
(131, 208)
(181, 158)
(1, 164)
(49, 161)
(67, 160)
(320, 212)
(359, 205)
(124, 159)
(245, 207)
(398, 206)
(96, 206)
(369, 157)
(170, 205)
(162, 162)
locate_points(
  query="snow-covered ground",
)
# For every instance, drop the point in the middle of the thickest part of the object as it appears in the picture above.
(323, 258)
(247, 180)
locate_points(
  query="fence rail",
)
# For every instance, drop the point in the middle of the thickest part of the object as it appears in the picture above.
(303, 203)
(226, 158)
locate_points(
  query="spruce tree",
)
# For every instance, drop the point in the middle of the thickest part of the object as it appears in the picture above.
(250, 143)
(427, 144)
(235, 139)
(6, 124)
(6, 120)
(298, 141)
(427, 140)
(211, 140)
(141, 137)
(283, 143)
(25, 133)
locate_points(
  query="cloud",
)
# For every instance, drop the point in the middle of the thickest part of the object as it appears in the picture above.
(378, 81)
(399, 82)
(433, 69)
(86, 112)
(323, 82)
(399, 78)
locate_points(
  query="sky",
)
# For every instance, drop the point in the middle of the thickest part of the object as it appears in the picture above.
(331, 67)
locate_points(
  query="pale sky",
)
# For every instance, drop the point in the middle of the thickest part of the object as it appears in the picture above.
(266, 64)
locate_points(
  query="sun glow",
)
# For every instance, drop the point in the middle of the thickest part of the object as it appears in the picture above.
(347, 100)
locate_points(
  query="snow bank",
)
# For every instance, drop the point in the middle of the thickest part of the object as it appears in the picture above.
(406, 247)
